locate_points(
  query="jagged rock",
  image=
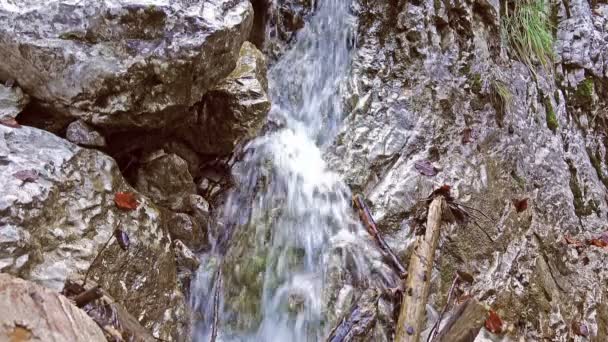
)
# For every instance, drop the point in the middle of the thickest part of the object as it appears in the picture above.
(412, 98)
(188, 229)
(12, 101)
(121, 64)
(53, 225)
(31, 312)
(165, 178)
(234, 110)
(280, 23)
(82, 134)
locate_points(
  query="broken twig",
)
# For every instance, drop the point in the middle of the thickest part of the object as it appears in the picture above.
(370, 226)
(359, 320)
(216, 304)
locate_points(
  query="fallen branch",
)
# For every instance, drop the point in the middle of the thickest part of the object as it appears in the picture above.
(416, 290)
(465, 323)
(370, 226)
(216, 304)
(360, 319)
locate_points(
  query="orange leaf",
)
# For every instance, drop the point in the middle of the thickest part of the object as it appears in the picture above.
(598, 242)
(494, 323)
(125, 200)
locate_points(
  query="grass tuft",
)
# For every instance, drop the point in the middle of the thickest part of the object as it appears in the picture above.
(528, 32)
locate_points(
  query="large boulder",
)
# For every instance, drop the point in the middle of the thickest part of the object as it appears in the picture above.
(31, 312)
(121, 64)
(233, 110)
(57, 211)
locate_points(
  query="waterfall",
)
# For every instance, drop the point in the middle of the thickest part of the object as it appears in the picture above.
(288, 215)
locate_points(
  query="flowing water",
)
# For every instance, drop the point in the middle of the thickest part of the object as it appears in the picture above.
(288, 214)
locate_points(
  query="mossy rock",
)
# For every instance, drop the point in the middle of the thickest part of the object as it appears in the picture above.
(552, 122)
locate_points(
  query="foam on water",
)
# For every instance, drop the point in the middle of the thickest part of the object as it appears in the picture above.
(310, 204)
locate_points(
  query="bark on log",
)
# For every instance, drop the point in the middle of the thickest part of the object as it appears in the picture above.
(465, 323)
(416, 289)
(372, 229)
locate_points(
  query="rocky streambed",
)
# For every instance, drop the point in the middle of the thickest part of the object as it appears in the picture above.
(194, 162)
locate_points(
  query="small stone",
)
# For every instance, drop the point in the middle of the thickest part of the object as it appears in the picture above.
(82, 134)
(12, 101)
(410, 331)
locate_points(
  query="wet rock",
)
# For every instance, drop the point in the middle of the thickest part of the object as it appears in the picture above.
(164, 178)
(12, 101)
(82, 134)
(186, 228)
(186, 153)
(283, 20)
(54, 227)
(234, 110)
(121, 64)
(31, 312)
(187, 264)
(416, 87)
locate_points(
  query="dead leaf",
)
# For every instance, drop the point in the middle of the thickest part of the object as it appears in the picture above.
(125, 200)
(26, 175)
(425, 167)
(580, 329)
(494, 323)
(122, 238)
(10, 123)
(572, 241)
(467, 136)
(520, 204)
(597, 242)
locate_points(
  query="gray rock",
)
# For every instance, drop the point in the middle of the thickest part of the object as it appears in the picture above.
(165, 178)
(12, 101)
(53, 225)
(187, 229)
(416, 87)
(82, 134)
(234, 110)
(31, 312)
(133, 63)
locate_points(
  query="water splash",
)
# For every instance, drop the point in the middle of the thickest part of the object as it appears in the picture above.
(289, 215)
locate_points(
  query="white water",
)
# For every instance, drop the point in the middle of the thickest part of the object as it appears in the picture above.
(309, 204)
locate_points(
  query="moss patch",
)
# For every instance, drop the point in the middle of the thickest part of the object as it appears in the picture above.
(550, 115)
(583, 95)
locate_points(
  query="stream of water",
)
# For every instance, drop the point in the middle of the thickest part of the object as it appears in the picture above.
(295, 208)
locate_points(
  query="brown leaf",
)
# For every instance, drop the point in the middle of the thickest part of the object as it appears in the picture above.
(597, 242)
(467, 136)
(425, 167)
(125, 200)
(26, 175)
(494, 323)
(10, 123)
(572, 241)
(520, 204)
(580, 329)
(122, 238)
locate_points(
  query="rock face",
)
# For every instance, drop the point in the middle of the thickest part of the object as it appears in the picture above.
(122, 64)
(31, 312)
(430, 81)
(12, 101)
(57, 210)
(233, 110)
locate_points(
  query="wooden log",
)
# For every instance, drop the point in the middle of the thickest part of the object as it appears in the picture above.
(416, 289)
(370, 225)
(465, 323)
